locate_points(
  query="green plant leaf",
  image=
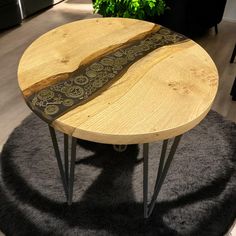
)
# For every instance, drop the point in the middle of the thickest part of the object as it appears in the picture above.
(140, 9)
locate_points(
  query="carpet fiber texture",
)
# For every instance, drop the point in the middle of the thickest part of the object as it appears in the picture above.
(198, 196)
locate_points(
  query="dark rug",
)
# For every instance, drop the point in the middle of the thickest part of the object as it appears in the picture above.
(197, 198)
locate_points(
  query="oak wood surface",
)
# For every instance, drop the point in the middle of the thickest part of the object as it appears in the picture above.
(162, 95)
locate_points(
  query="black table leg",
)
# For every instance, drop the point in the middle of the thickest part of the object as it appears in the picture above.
(233, 90)
(233, 54)
(163, 168)
(67, 170)
(216, 29)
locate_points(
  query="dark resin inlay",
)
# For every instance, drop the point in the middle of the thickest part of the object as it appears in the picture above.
(88, 81)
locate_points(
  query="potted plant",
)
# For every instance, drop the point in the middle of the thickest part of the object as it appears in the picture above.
(190, 17)
(138, 9)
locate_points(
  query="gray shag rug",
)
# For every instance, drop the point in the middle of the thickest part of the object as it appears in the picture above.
(198, 196)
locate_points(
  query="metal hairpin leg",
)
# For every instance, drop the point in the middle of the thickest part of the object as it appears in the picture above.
(67, 171)
(161, 174)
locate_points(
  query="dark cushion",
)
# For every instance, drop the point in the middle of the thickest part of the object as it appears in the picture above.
(7, 2)
(204, 14)
(190, 16)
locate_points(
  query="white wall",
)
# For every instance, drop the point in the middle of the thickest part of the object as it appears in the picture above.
(230, 11)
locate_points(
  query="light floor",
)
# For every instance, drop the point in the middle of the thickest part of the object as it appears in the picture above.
(13, 43)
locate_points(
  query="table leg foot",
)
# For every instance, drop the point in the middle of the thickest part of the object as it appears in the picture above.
(163, 168)
(120, 148)
(66, 171)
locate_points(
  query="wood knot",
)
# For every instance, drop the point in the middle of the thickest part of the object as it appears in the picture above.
(179, 87)
(205, 76)
(210, 80)
(65, 60)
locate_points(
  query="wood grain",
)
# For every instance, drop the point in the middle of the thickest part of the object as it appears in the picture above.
(162, 95)
(88, 60)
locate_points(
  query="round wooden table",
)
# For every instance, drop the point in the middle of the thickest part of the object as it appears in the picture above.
(117, 81)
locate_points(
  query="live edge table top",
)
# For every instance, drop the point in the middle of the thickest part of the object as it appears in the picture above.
(159, 90)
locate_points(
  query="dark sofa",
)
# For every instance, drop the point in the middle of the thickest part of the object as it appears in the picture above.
(30, 7)
(193, 17)
(9, 13)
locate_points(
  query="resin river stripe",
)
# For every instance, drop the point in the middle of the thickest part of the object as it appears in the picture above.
(73, 89)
